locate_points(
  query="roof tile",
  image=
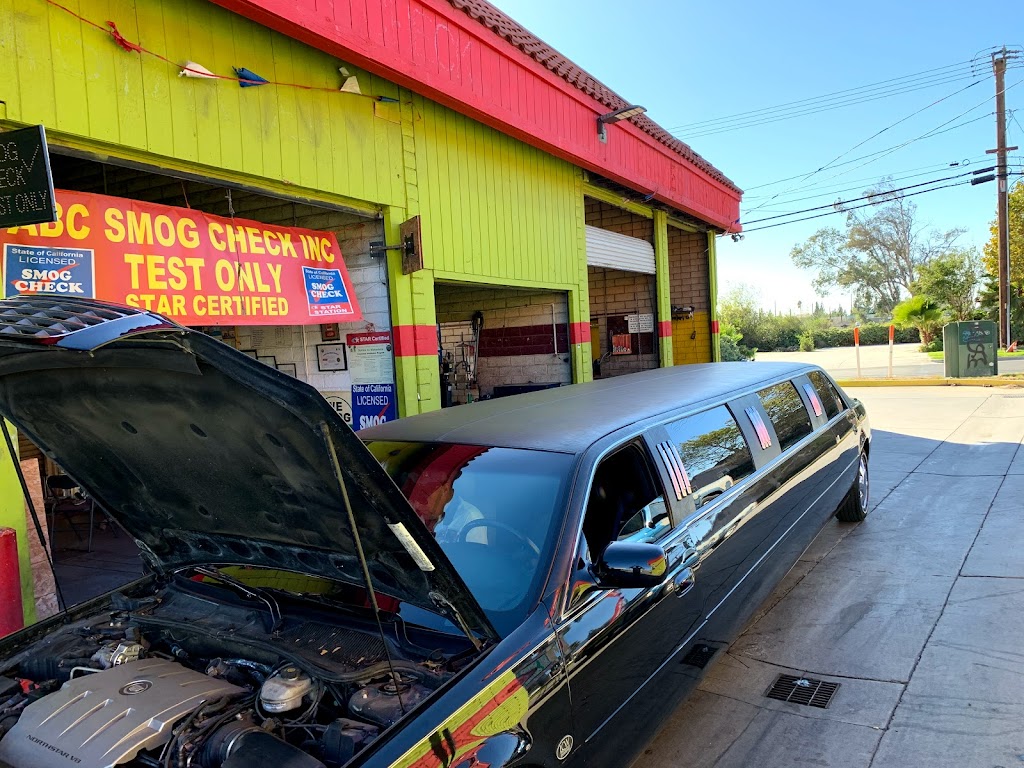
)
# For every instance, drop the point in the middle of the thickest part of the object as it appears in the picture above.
(513, 32)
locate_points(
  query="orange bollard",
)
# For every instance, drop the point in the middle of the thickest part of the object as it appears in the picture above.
(11, 617)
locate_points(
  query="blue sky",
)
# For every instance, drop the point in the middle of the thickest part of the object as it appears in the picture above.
(689, 62)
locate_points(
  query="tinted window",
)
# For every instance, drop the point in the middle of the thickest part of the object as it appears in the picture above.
(714, 452)
(625, 502)
(494, 511)
(829, 397)
(787, 412)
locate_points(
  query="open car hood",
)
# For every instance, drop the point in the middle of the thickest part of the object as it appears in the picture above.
(207, 456)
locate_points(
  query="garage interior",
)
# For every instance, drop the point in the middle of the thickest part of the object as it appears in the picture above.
(91, 555)
(500, 341)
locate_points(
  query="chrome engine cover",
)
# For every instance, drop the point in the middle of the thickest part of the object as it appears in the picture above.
(104, 719)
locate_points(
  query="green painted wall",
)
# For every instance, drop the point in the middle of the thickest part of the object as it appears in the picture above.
(500, 209)
(74, 79)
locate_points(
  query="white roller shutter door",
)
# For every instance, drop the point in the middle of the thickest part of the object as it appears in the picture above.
(614, 251)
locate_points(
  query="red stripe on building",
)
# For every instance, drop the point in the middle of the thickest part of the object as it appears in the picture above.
(714, 326)
(413, 340)
(579, 333)
(489, 79)
(665, 329)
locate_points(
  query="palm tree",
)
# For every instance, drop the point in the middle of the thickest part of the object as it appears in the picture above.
(921, 312)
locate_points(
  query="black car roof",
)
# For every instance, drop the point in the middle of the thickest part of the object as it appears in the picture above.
(570, 419)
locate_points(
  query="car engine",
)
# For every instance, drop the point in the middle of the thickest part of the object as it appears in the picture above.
(162, 683)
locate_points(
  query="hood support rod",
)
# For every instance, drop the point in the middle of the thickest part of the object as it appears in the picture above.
(32, 511)
(336, 466)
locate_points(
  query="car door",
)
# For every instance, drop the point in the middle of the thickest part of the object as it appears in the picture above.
(616, 641)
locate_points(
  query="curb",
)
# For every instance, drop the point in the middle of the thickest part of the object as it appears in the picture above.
(895, 382)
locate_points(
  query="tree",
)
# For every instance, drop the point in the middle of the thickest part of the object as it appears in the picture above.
(921, 312)
(990, 253)
(879, 253)
(951, 281)
(990, 260)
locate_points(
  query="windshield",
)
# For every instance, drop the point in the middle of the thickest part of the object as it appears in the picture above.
(494, 511)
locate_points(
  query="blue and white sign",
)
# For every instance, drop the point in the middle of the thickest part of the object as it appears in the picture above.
(33, 269)
(326, 293)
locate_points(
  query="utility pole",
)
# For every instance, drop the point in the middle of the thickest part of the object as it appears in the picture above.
(999, 59)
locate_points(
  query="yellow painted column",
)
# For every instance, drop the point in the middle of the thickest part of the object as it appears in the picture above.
(716, 339)
(664, 310)
(580, 342)
(413, 328)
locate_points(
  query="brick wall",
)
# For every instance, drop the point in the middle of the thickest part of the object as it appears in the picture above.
(689, 285)
(516, 344)
(605, 216)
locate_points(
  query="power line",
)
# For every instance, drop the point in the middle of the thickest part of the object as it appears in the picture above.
(876, 135)
(812, 99)
(840, 206)
(829, 189)
(855, 207)
(793, 114)
(870, 154)
(929, 134)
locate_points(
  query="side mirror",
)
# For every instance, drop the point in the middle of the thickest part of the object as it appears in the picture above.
(626, 565)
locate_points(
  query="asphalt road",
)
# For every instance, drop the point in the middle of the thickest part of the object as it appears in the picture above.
(918, 612)
(908, 362)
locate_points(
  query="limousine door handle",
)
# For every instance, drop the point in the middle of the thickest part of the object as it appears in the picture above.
(683, 581)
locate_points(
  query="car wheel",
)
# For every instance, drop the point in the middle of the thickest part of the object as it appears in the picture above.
(855, 506)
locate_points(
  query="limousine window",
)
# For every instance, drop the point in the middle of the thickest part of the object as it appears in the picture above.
(787, 412)
(492, 510)
(713, 450)
(829, 397)
(625, 502)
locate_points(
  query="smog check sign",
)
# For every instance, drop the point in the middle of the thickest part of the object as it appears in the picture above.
(38, 269)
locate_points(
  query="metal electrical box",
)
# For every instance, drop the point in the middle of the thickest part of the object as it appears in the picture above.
(970, 349)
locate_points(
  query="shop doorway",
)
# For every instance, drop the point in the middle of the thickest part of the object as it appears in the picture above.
(498, 341)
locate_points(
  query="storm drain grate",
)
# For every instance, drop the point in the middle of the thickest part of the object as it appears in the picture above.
(699, 656)
(803, 690)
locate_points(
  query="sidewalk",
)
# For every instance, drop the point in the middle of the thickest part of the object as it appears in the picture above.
(917, 612)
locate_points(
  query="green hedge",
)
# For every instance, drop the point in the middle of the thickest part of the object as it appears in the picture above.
(870, 333)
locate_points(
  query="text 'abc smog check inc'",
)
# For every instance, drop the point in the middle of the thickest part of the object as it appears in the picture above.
(196, 268)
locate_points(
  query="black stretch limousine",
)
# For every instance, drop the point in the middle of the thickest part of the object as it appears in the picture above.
(530, 581)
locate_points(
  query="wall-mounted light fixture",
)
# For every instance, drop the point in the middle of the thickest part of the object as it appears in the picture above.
(736, 237)
(614, 117)
(682, 313)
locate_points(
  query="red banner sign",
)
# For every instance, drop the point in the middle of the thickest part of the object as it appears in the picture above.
(192, 267)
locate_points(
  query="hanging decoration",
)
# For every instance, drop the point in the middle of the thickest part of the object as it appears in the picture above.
(191, 69)
(350, 84)
(249, 79)
(244, 77)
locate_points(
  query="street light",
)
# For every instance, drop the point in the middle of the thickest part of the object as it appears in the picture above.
(625, 113)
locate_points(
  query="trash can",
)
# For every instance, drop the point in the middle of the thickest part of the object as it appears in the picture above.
(970, 349)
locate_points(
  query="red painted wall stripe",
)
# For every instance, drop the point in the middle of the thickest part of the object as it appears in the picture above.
(579, 333)
(439, 52)
(413, 340)
(665, 328)
(714, 326)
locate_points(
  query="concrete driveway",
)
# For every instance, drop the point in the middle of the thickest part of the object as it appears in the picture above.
(918, 612)
(907, 361)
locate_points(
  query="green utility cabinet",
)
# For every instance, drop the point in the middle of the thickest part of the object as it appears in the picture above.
(970, 349)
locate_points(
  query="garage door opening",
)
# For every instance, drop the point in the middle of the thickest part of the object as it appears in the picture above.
(91, 553)
(498, 341)
(623, 290)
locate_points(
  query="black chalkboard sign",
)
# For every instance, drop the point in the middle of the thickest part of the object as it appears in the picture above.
(26, 184)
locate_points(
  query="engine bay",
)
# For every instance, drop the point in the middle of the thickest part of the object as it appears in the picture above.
(190, 675)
